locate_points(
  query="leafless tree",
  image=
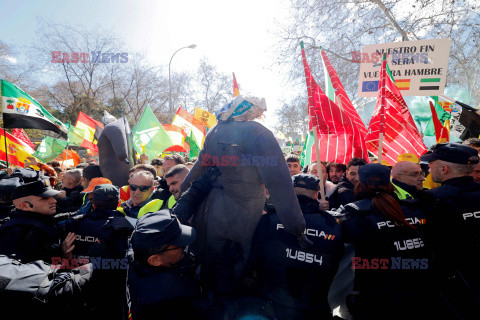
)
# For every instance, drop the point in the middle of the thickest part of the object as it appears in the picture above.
(212, 88)
(341, 27)
(293, 117)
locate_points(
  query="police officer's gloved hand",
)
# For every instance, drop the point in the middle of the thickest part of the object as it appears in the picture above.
(304, 242)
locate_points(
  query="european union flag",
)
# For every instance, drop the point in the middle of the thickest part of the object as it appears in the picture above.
(370, 86)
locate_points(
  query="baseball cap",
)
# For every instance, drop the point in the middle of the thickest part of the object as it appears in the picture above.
(156, 229)
(106, 192)
(374, 174)
(95, 182)
(407, 157)
(452, 152)
(306, 181)
(38, 188)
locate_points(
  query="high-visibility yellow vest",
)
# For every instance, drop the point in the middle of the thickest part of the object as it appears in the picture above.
(152, 206)
(402, 194)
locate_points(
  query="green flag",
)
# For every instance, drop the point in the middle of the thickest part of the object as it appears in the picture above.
(306, 157)
(442, 116)
(75, 135)
(194, 149)
(50, 148)
(150, 135)
(20, 110)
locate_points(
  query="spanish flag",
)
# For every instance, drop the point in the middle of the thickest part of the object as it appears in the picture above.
(92, 130)
(206, 118)
(236, 90)
(18, 150)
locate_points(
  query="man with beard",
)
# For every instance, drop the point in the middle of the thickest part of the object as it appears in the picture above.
(345, 187)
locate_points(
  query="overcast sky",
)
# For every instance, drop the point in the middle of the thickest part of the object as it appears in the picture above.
(235, 36)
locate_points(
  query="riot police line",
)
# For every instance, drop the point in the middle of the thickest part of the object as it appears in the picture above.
(411, 258)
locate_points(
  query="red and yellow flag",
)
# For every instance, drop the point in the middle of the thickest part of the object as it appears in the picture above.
(442, 134)
(177, 135)
(236, 90)
(18, 150)
(92, 129)
(206, 118)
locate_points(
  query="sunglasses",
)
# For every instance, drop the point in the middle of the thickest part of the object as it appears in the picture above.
(175, 248)
(134, 187)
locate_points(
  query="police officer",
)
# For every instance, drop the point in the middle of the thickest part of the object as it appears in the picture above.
(7, 186)
(33, 289)
(391, 259)
(458, 214)
(31, 233)
(101, 237)
(159, 261)
(295, 279)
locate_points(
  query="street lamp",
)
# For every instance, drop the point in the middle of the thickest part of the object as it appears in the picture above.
(192, 46)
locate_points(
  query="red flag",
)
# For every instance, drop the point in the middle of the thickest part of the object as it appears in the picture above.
(392, 118)
(16, 150)
(341, 95)
(22, 135)
(92, 130)
(236, 90)
(441, 133)
(339, 138)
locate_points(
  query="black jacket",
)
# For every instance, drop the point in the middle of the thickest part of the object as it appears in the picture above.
(297, 280)
(162, 191)
(392, 262)
(30, 236)
(343, 194)
(102, 239)
(33, 290)
(101, 233)
(73, 200)
(5, 210)
(455, 235)
(179, 297)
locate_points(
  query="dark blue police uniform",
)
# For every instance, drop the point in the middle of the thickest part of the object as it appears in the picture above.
(392, 262)
(169, 293)
(296, 280)
(101, 237)
(30, 236)
(455, 231)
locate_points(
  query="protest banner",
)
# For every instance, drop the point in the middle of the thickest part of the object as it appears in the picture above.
(418, 67)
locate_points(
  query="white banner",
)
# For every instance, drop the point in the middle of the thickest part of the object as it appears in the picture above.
(418, 67)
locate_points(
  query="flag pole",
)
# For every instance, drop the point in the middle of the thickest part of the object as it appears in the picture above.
(66, 157)
(319, 167)
(6, 149)
(380, 147)
(383, 75)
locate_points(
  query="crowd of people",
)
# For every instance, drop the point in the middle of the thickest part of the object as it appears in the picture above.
(255, 236)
